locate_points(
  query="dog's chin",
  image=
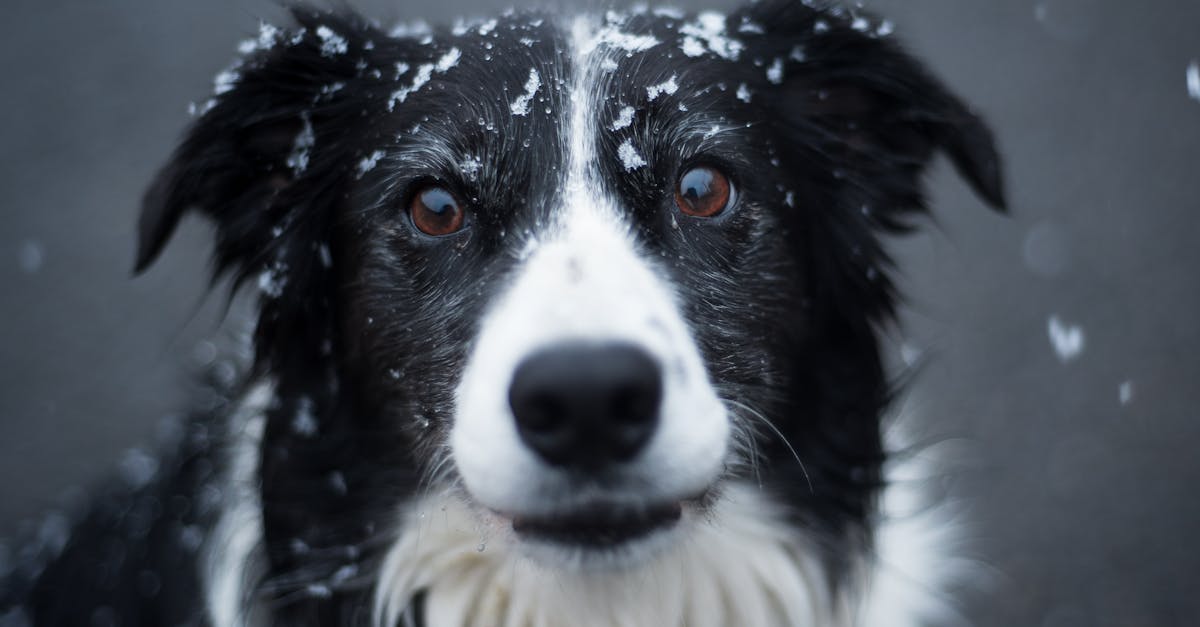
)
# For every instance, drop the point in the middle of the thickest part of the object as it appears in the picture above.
(600, 536)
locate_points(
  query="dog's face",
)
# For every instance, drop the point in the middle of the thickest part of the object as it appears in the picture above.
(584, 275)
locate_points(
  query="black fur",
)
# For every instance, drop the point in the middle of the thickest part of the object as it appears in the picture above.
(365, 323)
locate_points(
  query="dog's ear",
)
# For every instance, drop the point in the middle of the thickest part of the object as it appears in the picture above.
(257, 138)
(883, 115)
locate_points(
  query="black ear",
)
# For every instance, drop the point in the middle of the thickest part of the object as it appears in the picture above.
(256, 139)
(880, 111)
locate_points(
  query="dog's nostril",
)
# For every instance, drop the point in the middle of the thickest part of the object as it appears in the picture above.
(586, 405)
(543, 412)
(631, 404)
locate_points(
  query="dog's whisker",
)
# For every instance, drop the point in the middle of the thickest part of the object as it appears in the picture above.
(763, 420)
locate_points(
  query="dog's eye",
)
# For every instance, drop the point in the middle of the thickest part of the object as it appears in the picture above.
(435, 211)
(703, 192)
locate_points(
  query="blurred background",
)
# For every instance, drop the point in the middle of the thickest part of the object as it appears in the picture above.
(1059, 345)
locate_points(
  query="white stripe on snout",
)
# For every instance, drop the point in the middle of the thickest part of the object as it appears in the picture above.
(585, 283)
(585, 280)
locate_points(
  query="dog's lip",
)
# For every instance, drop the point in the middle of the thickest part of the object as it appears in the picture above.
(599, 524)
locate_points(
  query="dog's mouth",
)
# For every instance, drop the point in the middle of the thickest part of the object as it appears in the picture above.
(600, 525)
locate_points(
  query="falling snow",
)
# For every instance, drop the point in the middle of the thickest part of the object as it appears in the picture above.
(332, 88)
(1046, 250)
(520, 106)
(667, 87)
(709, 29)
(692, 47)
(191, 537)
(775, 72)
(470, 167)
(448, 60)
(629, 156)
(1193, 80)
(332, 44)
(629, 43)
(411, 30)
(424, 73)
(30, 256)
(1067, 340)
(1125, 392)
(272, 280)
(343, 574)
(301, 147)
(267, 37)
(337, 481)
(304, 422)
(624, 119)
(225, 81)
(194, 109)
(743, 93)
(137, 468)
(54, 531)
(369, 162)
(318, 591)
(750, 27)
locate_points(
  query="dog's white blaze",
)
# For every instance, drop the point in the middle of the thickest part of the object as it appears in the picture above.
(584, 281)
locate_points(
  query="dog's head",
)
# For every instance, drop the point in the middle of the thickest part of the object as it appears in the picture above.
(585, 274)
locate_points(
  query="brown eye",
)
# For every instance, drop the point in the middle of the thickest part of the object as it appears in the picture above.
(435, 211)
(703, 192)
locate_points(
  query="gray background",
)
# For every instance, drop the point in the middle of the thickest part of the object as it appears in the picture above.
(1085, 507)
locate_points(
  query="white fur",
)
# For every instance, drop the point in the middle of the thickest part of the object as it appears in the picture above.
(919, 545)
(743, 565)
(233, 559)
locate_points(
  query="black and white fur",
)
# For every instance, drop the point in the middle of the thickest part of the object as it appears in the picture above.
(367, 471)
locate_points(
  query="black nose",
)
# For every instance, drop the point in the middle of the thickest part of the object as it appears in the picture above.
(586, 405)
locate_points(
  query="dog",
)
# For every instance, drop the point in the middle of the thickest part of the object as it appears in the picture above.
(560, 322)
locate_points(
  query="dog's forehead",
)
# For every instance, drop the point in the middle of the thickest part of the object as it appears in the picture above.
(522, 73)
(505, 71)
(506, 104)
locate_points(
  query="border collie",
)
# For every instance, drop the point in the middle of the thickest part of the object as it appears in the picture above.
(560, 322)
